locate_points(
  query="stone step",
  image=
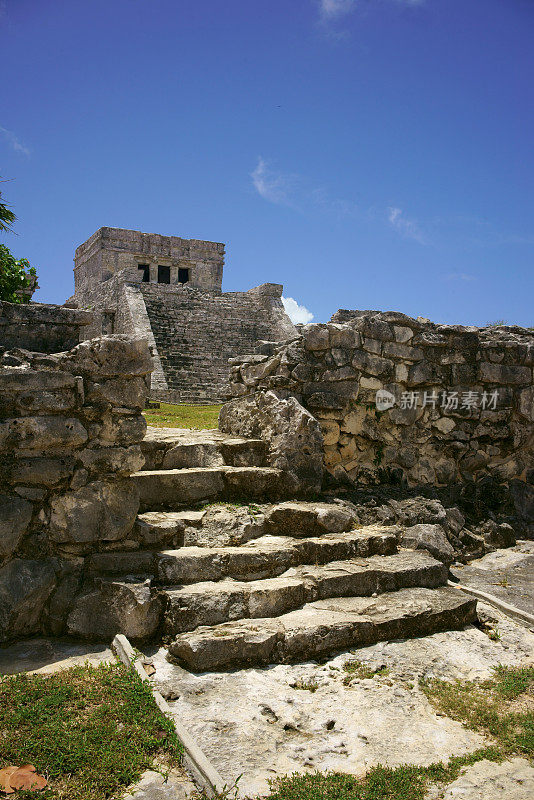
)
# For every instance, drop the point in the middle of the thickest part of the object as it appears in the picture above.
(265, 557)
(173, 488)
(181, 448)
(221, 524)
(165, 528)
(268, 556)
(212, 603)
(322, 627)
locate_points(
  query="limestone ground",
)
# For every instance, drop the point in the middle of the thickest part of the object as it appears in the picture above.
(501, 707)
(170, 415)
(91, 731)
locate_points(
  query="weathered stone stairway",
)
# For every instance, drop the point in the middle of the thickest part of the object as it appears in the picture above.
(305, 580)
(203, 466)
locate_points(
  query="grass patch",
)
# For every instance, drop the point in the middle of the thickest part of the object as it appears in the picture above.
(406, 782)
(252, 508)
(501, 707)
(360, 670)
(304, 685)
(170, 415)
(91, 731)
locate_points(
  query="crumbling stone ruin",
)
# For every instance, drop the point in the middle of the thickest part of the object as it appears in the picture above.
(459, 404)
(70, 427)
(168, 290)
(234, 546)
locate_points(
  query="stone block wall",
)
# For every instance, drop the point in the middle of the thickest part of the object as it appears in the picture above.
(70, 433)
(41, 327)
(335, 370)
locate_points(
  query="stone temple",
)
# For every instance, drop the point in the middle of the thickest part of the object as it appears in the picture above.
(169, 290)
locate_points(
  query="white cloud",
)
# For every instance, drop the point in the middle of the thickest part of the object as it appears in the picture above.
(334, 9)
(14, 142)
(459, 276)
(408, 228)
(298, 193)
(273, 187)
(322, 200)
(330, 9)
(296, 313)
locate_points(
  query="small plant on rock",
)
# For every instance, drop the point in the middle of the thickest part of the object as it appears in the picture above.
(309, 686)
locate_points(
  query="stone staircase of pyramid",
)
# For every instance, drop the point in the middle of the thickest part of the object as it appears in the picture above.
(248, 577)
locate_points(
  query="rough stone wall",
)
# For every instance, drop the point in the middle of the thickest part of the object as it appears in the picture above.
(336, 369)
(70, 433)
(293, 437)
(40, 327)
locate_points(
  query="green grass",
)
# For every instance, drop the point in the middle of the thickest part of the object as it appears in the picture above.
(170, 415)
(359, 670)
(406, 782)
(91, 731)
(252, 508)
(306, 685)
(501, 707)
(510, 683)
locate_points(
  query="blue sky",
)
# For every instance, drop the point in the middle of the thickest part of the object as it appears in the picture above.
(364, 153)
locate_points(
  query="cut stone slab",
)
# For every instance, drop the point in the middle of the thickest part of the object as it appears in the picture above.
(163, 527)
(221, 524)
(44, 655)
(253, 483)
(177, 487)
(212, 603)
(431, 538)
(224, 525)
(507, 574)
(136, 562)
(191, 455)
(126, 606)
(180, 448)
(322, 627)
(230, 452)
(101, 510)
(365, 577)
(269, 556)
(157, 786)
(308, 519)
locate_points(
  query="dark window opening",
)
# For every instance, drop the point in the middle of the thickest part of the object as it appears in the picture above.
(164, 274)
(146, 272)
(183, 275)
